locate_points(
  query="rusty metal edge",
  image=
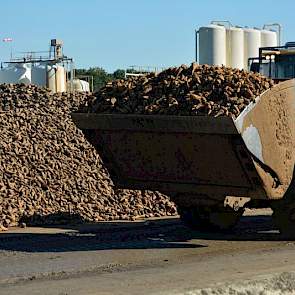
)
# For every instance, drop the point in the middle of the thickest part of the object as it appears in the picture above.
(216, 191)
(155, 123)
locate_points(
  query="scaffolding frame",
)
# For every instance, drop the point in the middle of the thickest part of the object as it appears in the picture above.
(54, 56)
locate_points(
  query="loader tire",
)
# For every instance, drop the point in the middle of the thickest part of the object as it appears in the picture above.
(284, 217)
(210, 218)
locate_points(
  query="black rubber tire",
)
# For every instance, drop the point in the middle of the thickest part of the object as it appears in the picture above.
(210, 218)
(284, 217)
(191, 218)
(284, 211)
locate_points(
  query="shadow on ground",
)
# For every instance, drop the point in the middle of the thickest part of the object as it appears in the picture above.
(155, 234)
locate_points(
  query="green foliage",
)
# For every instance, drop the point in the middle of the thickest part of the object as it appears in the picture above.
(119, 74)
(100, 76)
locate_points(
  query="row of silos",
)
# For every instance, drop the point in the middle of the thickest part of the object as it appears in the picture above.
(232, 46)
(18, 73)
(51, 76)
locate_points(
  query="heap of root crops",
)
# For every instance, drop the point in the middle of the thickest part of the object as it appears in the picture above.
(186, 90)
(49, 173)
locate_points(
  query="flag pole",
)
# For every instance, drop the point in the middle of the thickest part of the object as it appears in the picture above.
(9, 40)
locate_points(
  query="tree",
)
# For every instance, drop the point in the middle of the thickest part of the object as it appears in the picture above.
(100, 76)
(119, 74)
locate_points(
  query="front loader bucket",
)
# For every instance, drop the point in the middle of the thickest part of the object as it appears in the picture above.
(251, 156)
(268, 130)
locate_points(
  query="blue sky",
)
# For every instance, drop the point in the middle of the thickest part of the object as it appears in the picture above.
(117, 34)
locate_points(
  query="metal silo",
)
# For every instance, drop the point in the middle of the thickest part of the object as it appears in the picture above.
(235, 47)
(212, 40)
(39, 75)
(56, 78)
(51, 78)
(81, 85)
(269, 38)
(16, 73)
(60, 79)
(252, 43)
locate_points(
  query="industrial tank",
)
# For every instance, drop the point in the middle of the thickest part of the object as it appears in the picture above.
(56, 78)
(85, 86)
(269, 38)
(235, 47)
(60, 79)
(212, 45)
(51, 80)
(252, 43)
(38, 75)
(80, 85)
(232, 46)
(16, 73)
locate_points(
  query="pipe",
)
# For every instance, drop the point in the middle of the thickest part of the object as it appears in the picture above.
(222, 22)
(196, 43)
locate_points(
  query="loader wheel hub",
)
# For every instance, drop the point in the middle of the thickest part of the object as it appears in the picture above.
(206, 218)
(284, 218)
(292, 215)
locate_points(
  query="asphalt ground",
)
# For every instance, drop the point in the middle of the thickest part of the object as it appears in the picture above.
(158, 256)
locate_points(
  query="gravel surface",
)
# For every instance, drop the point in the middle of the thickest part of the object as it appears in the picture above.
(280, 284)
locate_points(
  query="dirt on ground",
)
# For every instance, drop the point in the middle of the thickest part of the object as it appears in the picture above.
(154, 256)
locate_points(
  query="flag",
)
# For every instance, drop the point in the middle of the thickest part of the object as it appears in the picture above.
(7, 40)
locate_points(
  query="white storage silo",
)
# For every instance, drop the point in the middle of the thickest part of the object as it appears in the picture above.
(77, 86)
(269, 38)
(85, 86)
(39, 75)
(212, 45)
(23, 73)
(80, 85)
(16, 73)
(51, 78)
(252, 43)
(56, 78)
(235, 47)
(60, 79)
(8, 75)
